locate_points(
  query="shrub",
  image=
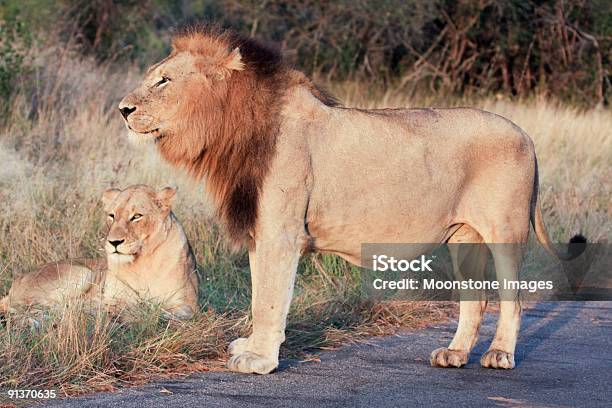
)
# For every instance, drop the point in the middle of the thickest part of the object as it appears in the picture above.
(15, 39)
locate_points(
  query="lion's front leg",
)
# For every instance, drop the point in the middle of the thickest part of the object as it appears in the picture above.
(273, 269)
(239, 345)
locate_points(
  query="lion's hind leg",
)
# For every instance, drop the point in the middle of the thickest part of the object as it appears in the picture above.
(507, 258)
(50, 285)
(469, 258)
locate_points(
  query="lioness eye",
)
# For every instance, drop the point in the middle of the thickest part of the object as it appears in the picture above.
(162, 81)
(136, 217)
(111, 216)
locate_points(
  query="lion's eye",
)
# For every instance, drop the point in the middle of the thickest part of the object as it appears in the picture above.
(111, 216)
(164, 80)
(136, 217)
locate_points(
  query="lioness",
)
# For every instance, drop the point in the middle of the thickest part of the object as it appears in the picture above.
(148, 257)
(291, 171)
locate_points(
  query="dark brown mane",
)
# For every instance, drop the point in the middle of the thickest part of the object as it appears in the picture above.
(229, 130)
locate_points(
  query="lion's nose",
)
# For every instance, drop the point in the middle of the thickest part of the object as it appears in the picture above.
(116, 243)
(126, 110)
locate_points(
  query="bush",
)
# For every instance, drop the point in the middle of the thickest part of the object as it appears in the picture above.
(15, 39)
(519, 47)
(471, 47)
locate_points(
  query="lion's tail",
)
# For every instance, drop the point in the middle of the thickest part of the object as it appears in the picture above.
(577, 242)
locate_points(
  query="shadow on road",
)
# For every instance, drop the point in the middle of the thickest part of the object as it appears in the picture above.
(537, 326)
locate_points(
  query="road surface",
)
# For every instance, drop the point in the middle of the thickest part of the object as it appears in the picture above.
(564, 359)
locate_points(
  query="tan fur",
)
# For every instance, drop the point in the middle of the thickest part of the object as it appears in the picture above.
(154, 261)
(292, 172)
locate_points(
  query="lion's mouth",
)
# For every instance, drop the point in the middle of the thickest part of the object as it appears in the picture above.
(157, 135)
(120, 258)
(125, 251)
(153, 132)
(120, 253)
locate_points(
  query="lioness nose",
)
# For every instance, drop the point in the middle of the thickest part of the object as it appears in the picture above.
(126, 110)
(117, 242)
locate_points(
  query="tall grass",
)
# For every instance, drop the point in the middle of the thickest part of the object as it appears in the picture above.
(64, 143)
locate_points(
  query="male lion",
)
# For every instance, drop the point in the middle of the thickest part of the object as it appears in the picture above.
(148, 257)
(291, 171)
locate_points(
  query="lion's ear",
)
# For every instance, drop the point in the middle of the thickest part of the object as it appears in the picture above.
(226, 66)
(233, 62)
(109, 196)
(166, 196)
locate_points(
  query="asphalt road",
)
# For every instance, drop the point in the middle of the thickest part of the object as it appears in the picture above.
(564, 359)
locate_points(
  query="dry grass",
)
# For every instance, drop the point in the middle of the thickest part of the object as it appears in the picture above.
(64, 143)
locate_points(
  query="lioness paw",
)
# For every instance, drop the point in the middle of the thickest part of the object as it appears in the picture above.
(238, 346)
(444, 357)
(497, 359)
(248, 362)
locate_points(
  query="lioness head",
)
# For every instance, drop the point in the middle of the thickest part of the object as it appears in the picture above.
(138, 219)
(175, 92)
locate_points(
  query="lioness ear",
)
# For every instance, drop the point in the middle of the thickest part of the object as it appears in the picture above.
(109, 196)
(166, 196)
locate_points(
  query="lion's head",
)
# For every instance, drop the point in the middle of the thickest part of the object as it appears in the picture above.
(138, 220)
(191, 80)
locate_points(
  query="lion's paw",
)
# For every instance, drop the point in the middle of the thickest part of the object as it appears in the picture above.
(444, 357)
(248, 362)
(497, 359)
(238, 346)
